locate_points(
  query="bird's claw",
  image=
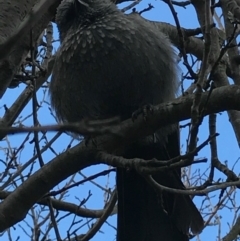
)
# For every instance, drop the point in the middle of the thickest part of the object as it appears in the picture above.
(144, 110)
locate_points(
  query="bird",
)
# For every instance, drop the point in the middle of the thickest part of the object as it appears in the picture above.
(111, 64)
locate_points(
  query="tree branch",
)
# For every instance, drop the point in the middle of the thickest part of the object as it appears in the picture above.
(81, 156)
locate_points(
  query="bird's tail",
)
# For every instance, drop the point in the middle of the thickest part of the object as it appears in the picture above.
(147, 215)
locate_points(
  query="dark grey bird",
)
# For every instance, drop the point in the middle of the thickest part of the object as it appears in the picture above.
(111, 64)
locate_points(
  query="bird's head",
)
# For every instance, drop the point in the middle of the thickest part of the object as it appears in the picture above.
(75, 13)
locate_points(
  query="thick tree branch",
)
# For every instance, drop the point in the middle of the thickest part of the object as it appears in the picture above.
(67, 207)
(26, 25)
(234, 232)
(219, 72)
(9, 25)
(231, 35)
(221, 99)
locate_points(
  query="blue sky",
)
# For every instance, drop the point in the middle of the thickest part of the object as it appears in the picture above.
(227, 146)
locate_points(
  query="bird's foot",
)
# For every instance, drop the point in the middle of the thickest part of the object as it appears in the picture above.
(144, 110)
